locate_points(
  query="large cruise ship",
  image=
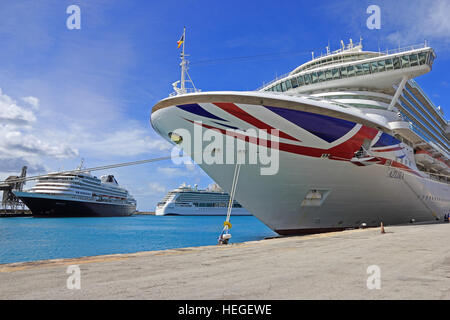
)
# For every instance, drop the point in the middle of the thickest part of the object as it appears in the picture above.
(359, 141)
(77, 194)
(191, 201)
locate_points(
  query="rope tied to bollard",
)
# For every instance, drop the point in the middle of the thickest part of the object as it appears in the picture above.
(225, 235)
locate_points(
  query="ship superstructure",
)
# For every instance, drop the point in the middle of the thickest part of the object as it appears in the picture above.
(191, 201)
(359, 141)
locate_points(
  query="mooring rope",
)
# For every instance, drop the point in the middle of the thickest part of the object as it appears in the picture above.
(227, 224)
(76, 171)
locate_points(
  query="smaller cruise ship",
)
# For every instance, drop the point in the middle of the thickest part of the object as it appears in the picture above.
(77, 194)
(191, 201)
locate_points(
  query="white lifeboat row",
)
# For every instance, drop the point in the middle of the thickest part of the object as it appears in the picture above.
(427, 160)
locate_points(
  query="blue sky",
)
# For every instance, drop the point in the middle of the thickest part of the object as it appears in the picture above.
(72, 94)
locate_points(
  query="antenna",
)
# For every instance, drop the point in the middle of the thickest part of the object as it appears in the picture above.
(183, 64)
(312, 53)
(184, 72)
(81, 166)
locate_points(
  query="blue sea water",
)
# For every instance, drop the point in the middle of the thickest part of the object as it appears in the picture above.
(30, 239)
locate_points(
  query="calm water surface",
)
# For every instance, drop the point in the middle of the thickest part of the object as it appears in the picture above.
(30, 239)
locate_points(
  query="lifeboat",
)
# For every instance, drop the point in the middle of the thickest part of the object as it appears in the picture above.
(443, 166)
(424, 158)
(440, 165)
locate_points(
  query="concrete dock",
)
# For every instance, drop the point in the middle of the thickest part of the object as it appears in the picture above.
(410, 262)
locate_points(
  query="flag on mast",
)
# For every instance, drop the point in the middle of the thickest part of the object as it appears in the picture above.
(180, 42)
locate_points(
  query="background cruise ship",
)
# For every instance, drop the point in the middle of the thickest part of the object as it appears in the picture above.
(187, 201)
(360, 141)
(77, 194)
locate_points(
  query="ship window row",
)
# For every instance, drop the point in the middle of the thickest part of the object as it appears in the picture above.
(99, 188)
(416, 110)
(204, 204)
(335, 59)
(215, 205)
(361, 97)
(419, 131)
(436, 138)
(389, 64)
(423, 107)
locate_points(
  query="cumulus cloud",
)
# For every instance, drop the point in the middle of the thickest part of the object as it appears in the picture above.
(32, 101)
(417, 21)
(123, 142)
(14, 165)
(20, 140)
(13, 114)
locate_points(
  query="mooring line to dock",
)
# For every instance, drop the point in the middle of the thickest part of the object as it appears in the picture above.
(225, 235)
(117, 165)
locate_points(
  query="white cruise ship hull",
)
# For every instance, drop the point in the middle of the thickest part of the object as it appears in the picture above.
(352, 192)
(174, 210)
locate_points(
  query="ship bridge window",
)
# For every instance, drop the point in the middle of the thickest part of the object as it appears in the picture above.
(307, 78)
(288, 84)
(381, 65)
(321, 76)
(389, 64)
(414, 60)
(422, 58)
(314, 77)
(283, 86)
(351, 71)
(336, 74)
(374, 67)
(278, 87)
(328, 75)
(366, 68)
(294, 82)
(300, 80)
(397, 63)
(405, 61)
(359, 70)
(344, 72)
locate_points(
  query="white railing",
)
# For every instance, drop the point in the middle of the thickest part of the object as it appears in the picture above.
(407, 48)
(186, 90)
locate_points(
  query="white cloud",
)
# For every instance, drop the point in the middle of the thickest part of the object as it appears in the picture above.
(32, 101)
(21, 143)
(123, 142)
(13, 114)
(417, 21)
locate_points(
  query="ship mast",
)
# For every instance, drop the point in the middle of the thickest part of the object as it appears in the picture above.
(183, 65)
(183, 89)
